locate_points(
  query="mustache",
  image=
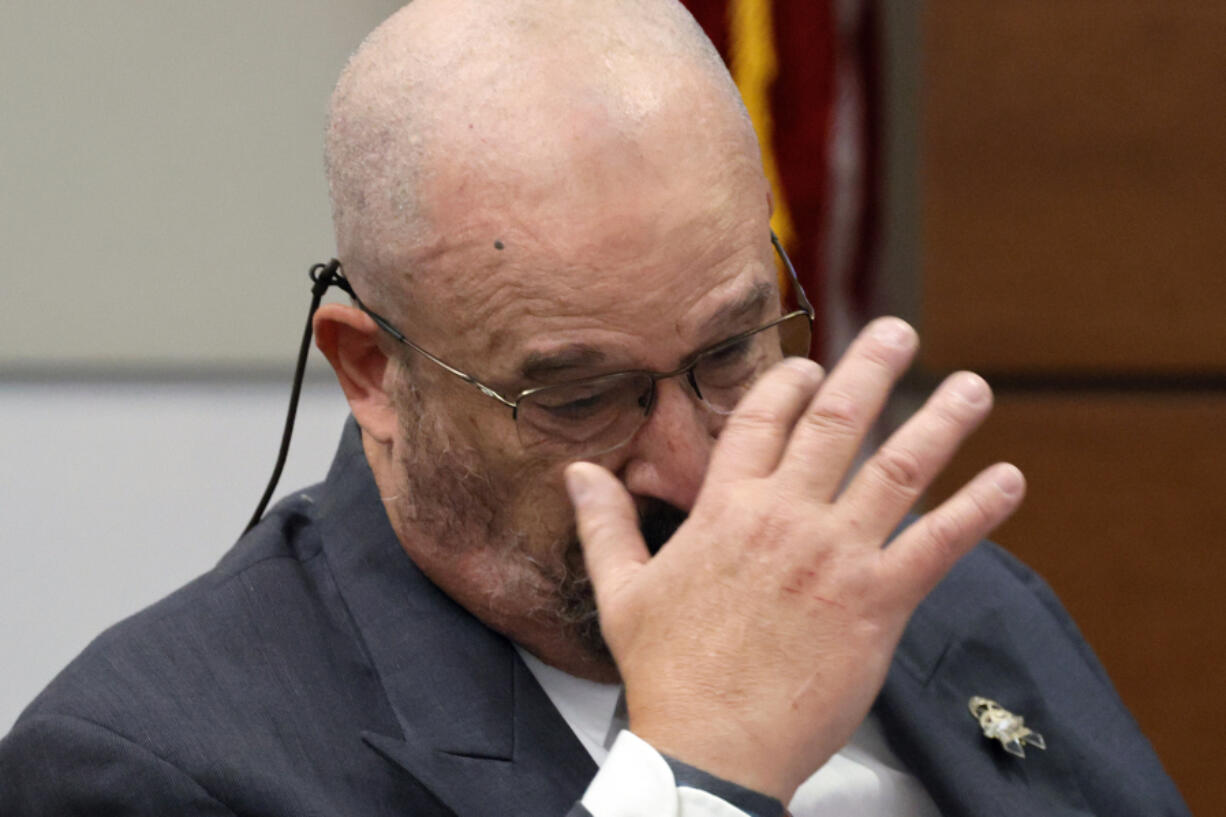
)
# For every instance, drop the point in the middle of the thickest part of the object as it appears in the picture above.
(576, 601)
(658, 521)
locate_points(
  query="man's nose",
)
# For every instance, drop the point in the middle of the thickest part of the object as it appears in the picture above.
(667, 457)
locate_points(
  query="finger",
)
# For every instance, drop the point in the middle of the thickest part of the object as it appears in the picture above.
(752, 440)
(891, 481)
(828, 433)
(925, 551)
(613, 548)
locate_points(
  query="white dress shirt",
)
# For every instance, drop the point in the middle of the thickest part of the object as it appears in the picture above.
(863, 779)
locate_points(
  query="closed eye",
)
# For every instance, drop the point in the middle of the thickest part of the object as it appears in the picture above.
(580, 407)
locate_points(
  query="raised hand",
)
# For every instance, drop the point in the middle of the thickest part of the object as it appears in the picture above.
(755, 641)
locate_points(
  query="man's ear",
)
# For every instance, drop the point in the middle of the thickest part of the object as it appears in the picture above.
(349, 340)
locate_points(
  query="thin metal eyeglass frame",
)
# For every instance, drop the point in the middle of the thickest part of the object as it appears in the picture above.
(328, 275)
(806, 308)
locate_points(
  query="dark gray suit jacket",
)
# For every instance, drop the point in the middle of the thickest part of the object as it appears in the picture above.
(315, 671)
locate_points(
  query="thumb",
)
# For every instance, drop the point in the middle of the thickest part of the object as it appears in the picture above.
(613, 548)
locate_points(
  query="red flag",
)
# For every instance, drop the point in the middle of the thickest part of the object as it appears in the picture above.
(806, 69)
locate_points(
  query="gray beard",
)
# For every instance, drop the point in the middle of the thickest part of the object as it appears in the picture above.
(574, 599)
(451, 502)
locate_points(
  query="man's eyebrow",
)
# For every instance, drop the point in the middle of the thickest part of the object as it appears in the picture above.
(538, 366)
(545, 365)
(749, 304)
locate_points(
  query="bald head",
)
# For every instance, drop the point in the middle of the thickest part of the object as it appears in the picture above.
(537, 192)
(452, 104)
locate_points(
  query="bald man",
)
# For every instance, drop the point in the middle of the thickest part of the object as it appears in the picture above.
(592, 542)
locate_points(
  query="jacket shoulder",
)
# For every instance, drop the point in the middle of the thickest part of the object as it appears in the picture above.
(218, 649)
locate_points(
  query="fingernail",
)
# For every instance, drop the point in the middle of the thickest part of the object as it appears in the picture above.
(894, 333)
(971, 387)
(803, 365)
(1009, 480)
(577, 483)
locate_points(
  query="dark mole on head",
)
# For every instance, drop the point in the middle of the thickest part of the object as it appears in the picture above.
(498, 245)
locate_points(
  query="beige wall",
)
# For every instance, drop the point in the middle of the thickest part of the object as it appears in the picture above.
(161, 187)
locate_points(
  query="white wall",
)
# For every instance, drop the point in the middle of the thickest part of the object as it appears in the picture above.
(161, 197)
(112, 494)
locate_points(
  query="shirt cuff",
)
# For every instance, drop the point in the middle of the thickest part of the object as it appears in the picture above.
(753, 803)
(638, 781)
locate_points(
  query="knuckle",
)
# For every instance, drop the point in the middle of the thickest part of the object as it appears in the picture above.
(944, 529)
(752, 419)
(981, 508)
(899, 469)
(965, 520)
(833, 415)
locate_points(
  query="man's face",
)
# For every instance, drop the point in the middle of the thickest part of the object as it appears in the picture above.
(591, 256)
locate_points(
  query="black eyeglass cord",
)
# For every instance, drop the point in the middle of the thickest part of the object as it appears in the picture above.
(323, 276)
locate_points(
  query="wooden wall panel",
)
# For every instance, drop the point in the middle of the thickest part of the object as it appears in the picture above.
(1074, 178)
(1125, 517)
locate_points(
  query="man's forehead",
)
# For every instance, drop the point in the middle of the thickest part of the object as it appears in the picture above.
(570, 157)
(605, 221)
(575, 323)
(735, 309)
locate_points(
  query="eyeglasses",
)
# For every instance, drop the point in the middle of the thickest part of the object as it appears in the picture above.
(584, 418)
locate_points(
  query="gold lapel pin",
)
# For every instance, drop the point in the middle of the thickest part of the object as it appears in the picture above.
(1001, 724)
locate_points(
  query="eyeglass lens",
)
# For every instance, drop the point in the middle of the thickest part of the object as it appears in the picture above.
(594, 416)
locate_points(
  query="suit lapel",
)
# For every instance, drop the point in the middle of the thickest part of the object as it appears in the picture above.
(472, 724)
(546, 772)
(954, 649)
